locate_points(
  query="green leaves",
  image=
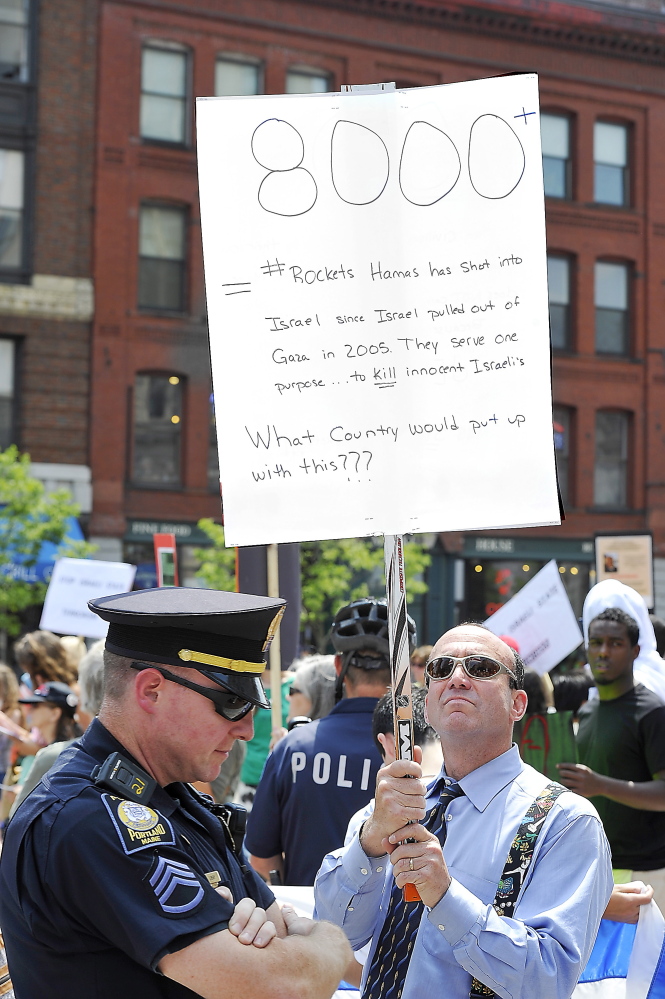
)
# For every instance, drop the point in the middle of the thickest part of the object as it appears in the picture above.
(28, 518)
(218, 564)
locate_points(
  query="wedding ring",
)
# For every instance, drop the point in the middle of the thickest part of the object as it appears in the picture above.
(410, 863)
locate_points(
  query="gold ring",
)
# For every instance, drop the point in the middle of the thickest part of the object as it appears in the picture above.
(410, 863)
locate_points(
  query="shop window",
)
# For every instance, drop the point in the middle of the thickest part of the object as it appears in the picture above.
(14, 40)
(555, 139)
(7, 392)
(612, 307)
(238, 76)
(611, 461)
(561, 423)
(164, 73)
(490, 583)
(158, 408)
(307, 81)
(610, 154)
(213, 455)
(11, 207)
(558, 282)
(162, 250)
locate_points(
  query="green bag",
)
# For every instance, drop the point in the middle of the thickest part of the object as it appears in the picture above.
(545, 740)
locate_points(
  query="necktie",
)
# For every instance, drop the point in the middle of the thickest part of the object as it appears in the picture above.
(390, 963)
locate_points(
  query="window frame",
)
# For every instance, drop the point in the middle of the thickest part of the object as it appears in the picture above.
(15, 425)
(629, 310)
(570, 347)
(246, 59)
(133, 481)
(568, 498)
(186, 259)
(30, 64)
(312, 71)
(628, 425)
(627, 171)
(165, 45)
(569, 171)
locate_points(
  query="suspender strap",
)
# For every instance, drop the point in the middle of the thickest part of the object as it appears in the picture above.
(517, 864)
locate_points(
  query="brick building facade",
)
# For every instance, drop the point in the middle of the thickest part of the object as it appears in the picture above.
(151, 442)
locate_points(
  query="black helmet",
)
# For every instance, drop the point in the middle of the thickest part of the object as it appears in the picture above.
(363, 624)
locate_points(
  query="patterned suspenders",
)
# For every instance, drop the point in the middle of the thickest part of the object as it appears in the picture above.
(517, 864)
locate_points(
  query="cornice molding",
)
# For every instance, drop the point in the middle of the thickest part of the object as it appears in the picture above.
(530, 25)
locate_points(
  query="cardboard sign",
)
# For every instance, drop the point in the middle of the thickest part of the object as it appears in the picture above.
(378, 312)
(541, 620)
(73, 583)
(628, 558)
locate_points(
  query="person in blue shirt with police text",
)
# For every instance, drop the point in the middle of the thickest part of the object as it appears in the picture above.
(320, 774)
(119, 879)
(510, 906)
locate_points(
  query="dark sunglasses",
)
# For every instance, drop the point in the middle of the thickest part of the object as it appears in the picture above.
(230, 706)
(476, 667)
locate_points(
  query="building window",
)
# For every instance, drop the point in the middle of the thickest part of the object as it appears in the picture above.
(14, 40)
(11, 208)
(561, 424)
(558, 282)
(610, 154)
(237, 76)
(157, 430)
(555, 138)
(164, 94)
(162, 257)
(307, 81)
(611, 464)
(612, 308)
(7, 369)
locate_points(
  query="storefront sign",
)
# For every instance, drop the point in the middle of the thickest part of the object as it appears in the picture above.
(541, 620)
(185, 534)
(628, 558)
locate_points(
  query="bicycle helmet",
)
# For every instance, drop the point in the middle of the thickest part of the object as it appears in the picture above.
(363, 624)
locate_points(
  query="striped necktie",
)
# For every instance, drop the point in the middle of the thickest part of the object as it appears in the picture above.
(390, 963)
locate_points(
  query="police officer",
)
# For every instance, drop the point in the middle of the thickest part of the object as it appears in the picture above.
(320, 774)
(118, 879)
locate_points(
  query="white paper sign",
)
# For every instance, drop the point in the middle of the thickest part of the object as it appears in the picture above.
(73, 583)
(541, 620)
(377, 300)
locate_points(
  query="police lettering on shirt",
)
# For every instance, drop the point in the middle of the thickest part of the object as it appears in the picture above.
(322, 769)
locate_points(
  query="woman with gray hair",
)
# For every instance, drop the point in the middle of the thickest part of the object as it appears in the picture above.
(312, 692)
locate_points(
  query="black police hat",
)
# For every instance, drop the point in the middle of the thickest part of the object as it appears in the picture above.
(56, 693)
(224, 635)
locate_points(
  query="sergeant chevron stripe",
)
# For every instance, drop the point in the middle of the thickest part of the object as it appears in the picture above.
(176, 887)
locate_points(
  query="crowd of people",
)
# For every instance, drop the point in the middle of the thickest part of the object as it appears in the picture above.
(328, 802)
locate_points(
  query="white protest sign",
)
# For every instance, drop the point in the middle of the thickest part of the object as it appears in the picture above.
(73, 583)
(541, 620)
(377, 302)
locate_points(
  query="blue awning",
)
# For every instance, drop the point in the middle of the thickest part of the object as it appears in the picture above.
(40, 571)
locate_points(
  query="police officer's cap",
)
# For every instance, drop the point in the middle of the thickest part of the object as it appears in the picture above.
(224, 635)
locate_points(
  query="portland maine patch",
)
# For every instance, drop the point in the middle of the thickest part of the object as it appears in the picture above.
(137, 825)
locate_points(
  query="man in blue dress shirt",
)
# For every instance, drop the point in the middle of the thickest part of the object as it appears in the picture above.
(474, 698)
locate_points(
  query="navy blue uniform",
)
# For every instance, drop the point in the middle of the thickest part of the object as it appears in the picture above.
(316, 778)
(96, 889)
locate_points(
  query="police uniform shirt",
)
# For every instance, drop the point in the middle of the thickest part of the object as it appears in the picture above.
(315, 779)
(96, 889)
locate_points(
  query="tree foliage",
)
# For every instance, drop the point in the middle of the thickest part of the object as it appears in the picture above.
(28, 518)
(332, 574)
(218, 564)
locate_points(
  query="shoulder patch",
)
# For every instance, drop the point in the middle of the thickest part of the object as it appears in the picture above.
(137, 825)
(174, 886)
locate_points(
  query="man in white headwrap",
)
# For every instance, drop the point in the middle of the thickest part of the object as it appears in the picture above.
(648, 668)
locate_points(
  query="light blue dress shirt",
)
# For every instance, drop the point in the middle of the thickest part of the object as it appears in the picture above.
(537, 954)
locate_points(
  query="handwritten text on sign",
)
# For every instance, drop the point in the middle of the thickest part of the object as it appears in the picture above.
(377, 298)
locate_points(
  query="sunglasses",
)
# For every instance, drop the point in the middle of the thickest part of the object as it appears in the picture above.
(475, 667)
(230, 706)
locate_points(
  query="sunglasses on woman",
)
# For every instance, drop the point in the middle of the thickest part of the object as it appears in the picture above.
(476, 667)
(230, 706)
